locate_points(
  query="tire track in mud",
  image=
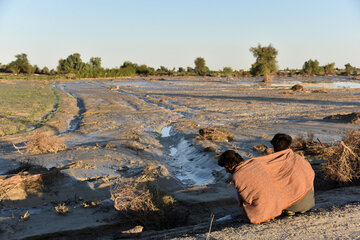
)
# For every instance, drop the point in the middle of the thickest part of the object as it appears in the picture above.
(76, 119)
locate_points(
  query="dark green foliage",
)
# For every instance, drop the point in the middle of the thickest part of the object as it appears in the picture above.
(329, 68)
(349, 70)
(95, 62)
(200, 66)
(190, 70)
(227, 71)
(143, 70)
(181, 69)
(162, 70)
(265, 60)
(20, 65)
(312, 67)
(72, 64)
(45, 70)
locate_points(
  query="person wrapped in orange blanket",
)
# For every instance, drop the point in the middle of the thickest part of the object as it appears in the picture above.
(268, 185)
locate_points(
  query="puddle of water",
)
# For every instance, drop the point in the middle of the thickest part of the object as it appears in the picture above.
(319, 84)
(165, 131)
(337, 85)
(190, 166)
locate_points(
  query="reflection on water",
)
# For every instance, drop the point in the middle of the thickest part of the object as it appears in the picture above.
(165, 131)
(322, 81)
(320, 84)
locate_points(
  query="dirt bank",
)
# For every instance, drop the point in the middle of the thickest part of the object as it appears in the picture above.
(125, 125)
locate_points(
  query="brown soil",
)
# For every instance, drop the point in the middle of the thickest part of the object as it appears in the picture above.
(119, 136)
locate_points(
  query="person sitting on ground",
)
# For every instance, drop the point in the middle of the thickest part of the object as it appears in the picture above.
(282, 142)
(269, 184)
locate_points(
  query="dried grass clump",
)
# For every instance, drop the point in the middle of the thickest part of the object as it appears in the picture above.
(44, 143)
(215, 134)
(130, 194)
(113, 88)
(141, 203)
(343, 162)
(263, 149)
(308, 146)
(61, 209)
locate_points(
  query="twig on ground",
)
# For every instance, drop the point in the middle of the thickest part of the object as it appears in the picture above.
(18, 148)
(347, 148)
(211, 222)
(320, 142)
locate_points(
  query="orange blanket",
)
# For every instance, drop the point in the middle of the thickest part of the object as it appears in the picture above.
(270, 184)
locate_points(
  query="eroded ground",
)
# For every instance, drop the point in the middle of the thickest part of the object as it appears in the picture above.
(118, 127)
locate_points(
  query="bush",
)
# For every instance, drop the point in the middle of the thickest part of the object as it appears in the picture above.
(265, 60)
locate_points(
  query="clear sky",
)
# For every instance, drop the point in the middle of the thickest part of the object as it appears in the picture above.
(173, 33)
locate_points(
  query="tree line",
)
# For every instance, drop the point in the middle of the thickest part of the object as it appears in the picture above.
(265, 64)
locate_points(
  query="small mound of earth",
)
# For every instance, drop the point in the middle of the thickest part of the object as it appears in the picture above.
(353, 118)
(298, 88)
(319, 91)
(216, 135)
(263, 149)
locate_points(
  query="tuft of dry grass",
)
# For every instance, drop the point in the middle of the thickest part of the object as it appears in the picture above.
(141, 202)
(43, 142)
(263, 149)
(308, 146)
(61, 209)
(343, 161)
(25, 217)
(215, 134)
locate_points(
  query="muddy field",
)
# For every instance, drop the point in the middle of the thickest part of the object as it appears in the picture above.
(118, 128)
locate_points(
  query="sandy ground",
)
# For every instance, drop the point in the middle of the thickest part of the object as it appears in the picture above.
(154, 122)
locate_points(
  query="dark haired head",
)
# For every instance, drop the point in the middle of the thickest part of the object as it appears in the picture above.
(281, 142)
(229, 160)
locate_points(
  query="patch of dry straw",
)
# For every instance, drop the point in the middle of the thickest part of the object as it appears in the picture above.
(141, 202)
(343, 161)
(43, 142)
(308, 146)
(215, 134)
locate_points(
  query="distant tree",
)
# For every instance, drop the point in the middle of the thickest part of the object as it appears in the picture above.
(20, 65)
(129, 64)
(45, 70)
(72, 64)
(265, 60)
(349, 70)
(189, 70)
(142, 70)
(181, 69)
(329, 68)
(163, 69)
(36, 69)
(95, 62)
(311, 67)
(227, 71)
(127, 69)
(200, 66)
